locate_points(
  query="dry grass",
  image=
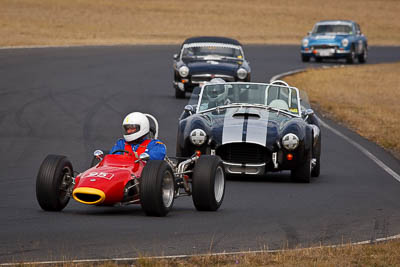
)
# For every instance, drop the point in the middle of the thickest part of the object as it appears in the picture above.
(381, 254)
(363, 97)
(57, 22)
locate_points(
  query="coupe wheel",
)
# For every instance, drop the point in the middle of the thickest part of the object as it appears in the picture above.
(179, 93)
(351, 58)
(208, 183)
(53, 183)
(157, 188)
(362, 58)
(305, 58)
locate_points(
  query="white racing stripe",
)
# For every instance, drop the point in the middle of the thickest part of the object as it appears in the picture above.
(232, 130)
(364, 151)
(257, 128)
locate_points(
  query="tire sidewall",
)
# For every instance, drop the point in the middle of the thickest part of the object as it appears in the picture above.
(203, 183)
(48, 182)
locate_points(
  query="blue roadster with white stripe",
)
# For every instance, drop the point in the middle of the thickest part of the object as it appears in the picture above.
(254, 127)
(335, 39)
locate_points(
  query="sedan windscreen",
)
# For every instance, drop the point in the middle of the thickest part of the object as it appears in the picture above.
(336, 28)
(202, 50)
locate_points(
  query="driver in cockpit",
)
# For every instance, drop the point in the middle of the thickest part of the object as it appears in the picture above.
(136, 128)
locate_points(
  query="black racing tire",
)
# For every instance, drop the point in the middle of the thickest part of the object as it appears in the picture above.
(362, 58)
(305, 58)
(352, 57)
(317, 168)
(179, 93)
(52, 183)
(157, 188)
(303, 172)
(208, 183)
(96, 161)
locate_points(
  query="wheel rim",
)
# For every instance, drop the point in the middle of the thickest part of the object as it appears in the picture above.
(65, 185)
(219, 184)
(168, 189)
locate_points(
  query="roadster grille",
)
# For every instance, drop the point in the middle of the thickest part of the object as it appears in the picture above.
(244, 153)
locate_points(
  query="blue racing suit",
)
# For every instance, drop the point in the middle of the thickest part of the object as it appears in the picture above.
(156, 149)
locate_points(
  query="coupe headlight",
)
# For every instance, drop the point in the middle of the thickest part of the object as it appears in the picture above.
(198, 137)
(345, 42)
(290, 141)
(241, 73)
(305, 42)
(184, 71)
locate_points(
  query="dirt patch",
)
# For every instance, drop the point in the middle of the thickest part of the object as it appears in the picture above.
(77, 22)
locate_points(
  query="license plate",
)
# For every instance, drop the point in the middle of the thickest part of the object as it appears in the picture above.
(325, 52)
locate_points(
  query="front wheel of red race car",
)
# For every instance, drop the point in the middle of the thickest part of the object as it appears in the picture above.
(53, 182)
(157, 188)
(208, 183)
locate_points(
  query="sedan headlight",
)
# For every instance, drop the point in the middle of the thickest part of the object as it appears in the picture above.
(305, 42)
(241, 73)
(345, 42)
(184, 71)
(290, 141)
(198, 137)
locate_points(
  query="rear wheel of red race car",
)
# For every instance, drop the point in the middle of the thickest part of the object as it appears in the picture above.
(53, 182)
(208, 183)
(157, 188)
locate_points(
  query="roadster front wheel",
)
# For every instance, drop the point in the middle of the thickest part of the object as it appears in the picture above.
(53, 182)
(208, 183)
(303, 172)
(157, 188)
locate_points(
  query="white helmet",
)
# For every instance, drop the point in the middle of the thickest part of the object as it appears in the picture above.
(135, 126)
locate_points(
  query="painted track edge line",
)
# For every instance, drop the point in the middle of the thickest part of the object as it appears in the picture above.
(354, 143)
(378, 240)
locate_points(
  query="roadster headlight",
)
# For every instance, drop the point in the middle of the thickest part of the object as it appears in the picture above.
(198, 137)
(184, 71)
(241, 73)
(345, 42)
(305, 42)
(290, 141)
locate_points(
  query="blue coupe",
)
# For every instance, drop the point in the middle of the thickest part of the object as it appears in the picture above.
(335, 39)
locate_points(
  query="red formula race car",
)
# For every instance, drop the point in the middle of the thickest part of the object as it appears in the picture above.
(122, 179)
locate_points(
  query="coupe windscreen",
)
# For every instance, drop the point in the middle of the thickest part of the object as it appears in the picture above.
(200, 50)
(336, 28)
(279, 97)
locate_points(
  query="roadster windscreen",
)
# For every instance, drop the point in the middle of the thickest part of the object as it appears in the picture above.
(195, 51)
(280, 97)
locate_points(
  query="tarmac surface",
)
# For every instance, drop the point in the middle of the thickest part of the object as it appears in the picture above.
(71, 101)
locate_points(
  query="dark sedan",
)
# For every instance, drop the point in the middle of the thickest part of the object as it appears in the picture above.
(203, 58)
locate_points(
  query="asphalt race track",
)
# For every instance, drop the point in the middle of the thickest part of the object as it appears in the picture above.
(70, 101)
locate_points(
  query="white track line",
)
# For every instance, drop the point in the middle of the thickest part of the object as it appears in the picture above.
(364, 151)
(354, 143)
(197, 255)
